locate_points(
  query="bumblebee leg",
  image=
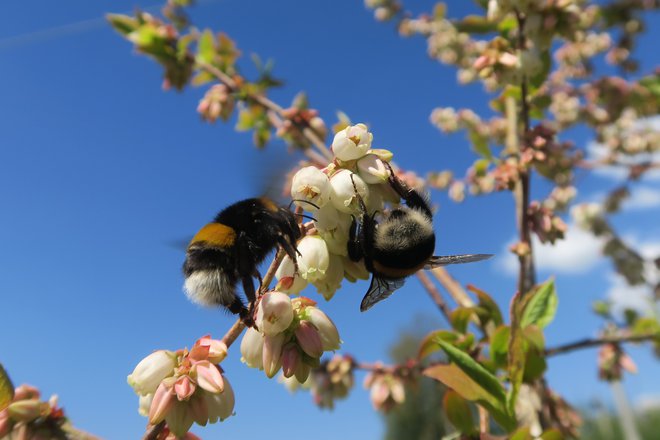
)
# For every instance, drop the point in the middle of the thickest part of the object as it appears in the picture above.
(250, 293)
(354, 245)
(413, 198)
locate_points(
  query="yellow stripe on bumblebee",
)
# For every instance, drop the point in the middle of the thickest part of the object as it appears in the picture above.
(215, 234)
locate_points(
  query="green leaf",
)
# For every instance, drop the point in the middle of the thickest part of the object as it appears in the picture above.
(480, 144)
(521, 434)
(460, 318)
(487, 302)
(475, 24)
(499, 345)
(474, 370)
(430, 344)
(546, 64)
(206, 47)
(6, 389)
(455, 378)
(541, 308)
(652, 84)
(552, 434)
(458, 412)
(123, 23)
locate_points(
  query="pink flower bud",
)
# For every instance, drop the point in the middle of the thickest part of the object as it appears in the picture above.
(5, 423)
(151, 371)
(161, 404)
(302, 372)
(208, 376)
(217, 350)
(326, 328)
(272, 356)
(184, 388)
(275, 313)
(309, 339)
(25, 391)
(252, 346)
(290, 359)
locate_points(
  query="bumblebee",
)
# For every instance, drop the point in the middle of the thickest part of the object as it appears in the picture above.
(230, 248)
(398, 245)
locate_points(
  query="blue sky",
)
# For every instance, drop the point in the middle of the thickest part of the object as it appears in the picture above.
(101, 170)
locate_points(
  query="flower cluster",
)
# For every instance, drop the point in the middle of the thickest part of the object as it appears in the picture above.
(333, 195)
(387, 390)
(612, 360)
(184, 387)
(332, 380)
(292, 336)
(27, 416)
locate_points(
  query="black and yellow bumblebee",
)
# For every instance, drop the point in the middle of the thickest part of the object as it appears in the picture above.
(230, 249)
(398, 245)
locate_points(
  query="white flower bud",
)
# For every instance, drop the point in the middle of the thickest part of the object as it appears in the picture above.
(343, 193)
(352, 142)
(151, 371)
(252, 346)
(275, 313)
(333, 227)
(331, 282)
(312, 185)
(372, 169)
(220, 405)
(288, 280)
(314, 258)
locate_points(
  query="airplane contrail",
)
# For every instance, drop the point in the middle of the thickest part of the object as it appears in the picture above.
(28, 38)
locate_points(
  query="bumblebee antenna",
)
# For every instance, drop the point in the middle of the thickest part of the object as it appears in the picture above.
(308, 217)
(303, 201)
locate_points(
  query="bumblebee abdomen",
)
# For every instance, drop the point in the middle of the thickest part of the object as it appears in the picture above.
(212, 287)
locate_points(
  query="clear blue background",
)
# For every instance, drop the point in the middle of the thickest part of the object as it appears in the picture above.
(100, 170)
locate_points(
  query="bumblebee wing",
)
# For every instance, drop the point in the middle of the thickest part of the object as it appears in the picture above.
(379, 289)
(445, 260)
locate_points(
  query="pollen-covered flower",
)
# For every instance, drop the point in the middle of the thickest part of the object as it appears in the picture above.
(275, 313)
(352, 142)
(311, 185)
(343, 195)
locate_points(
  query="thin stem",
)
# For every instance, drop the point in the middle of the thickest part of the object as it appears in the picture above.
(593, 342)
(153, 431)
(268, 104)
(527, 276)
(453, 287)
(235, 331)
(435, 294)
